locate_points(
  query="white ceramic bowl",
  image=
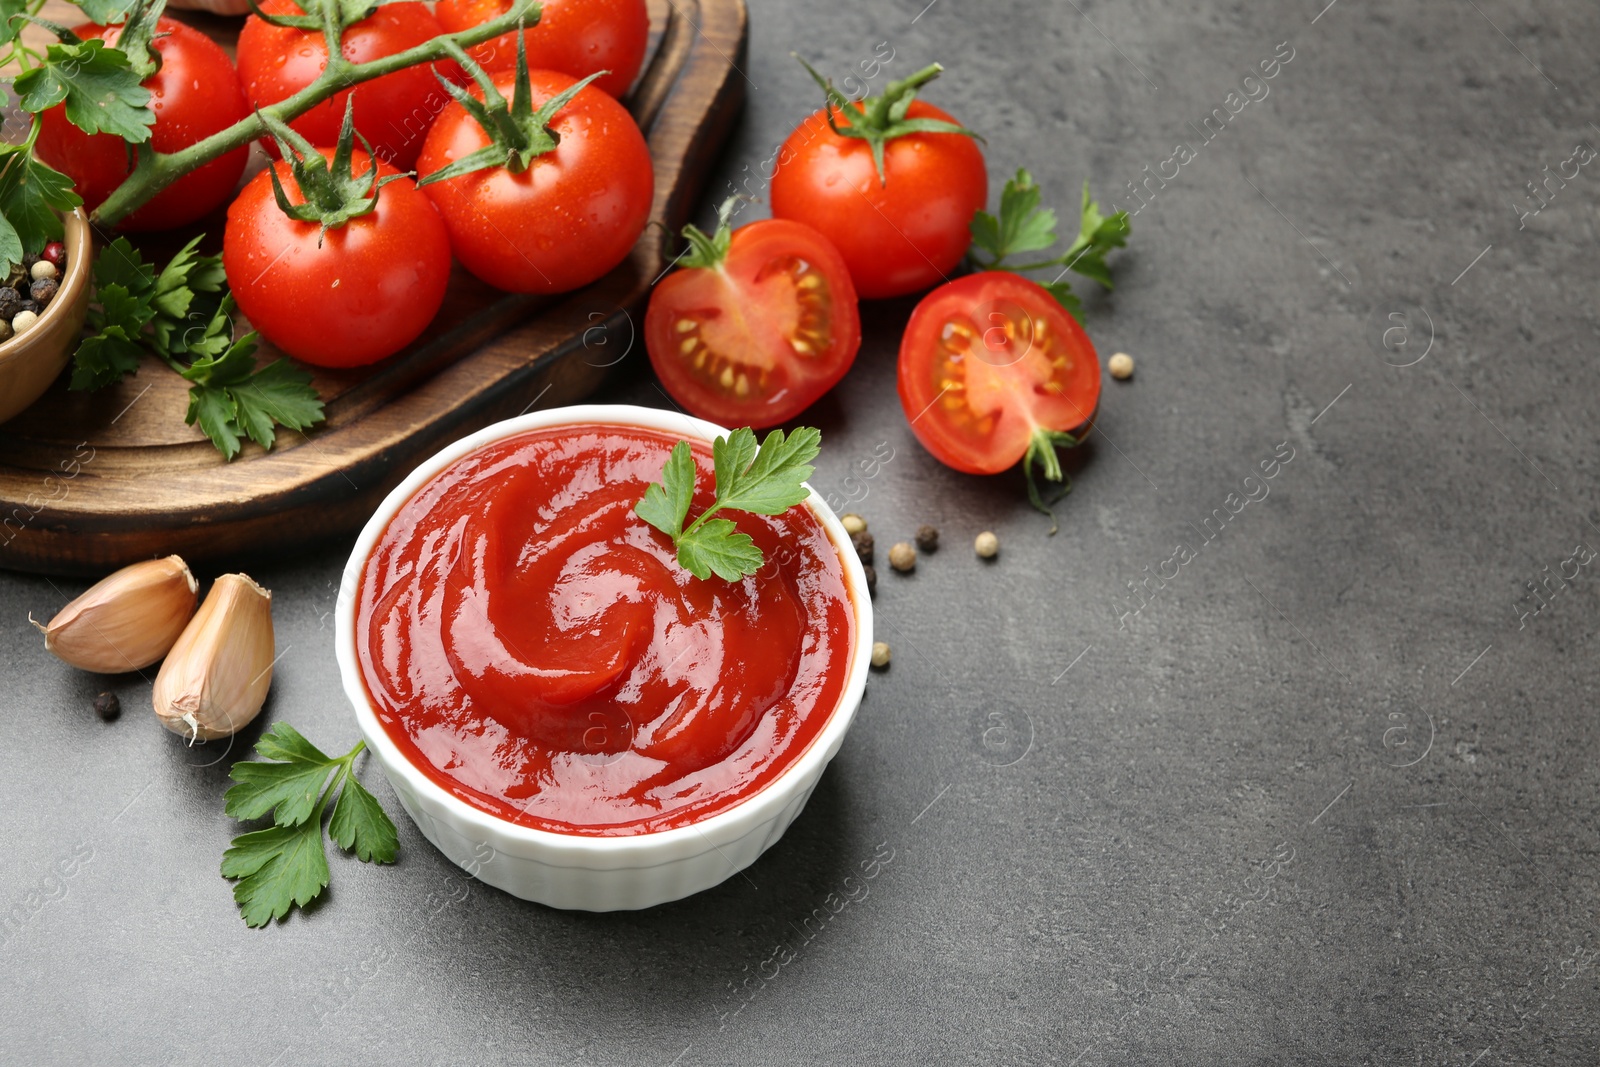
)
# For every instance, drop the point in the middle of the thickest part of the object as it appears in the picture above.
(597, 873)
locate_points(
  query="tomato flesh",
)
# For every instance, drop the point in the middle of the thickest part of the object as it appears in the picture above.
(757, 340)
(986, 363)
(194, 95)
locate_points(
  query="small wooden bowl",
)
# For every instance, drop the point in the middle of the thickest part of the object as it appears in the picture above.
(30, 361)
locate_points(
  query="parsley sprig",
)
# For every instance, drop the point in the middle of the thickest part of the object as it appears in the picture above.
(33, 197)
(764, 480)
(286, 865)
(1024, 226)
(185, 315)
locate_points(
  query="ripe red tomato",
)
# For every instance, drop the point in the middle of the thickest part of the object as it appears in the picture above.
(990, 362)
(393, 112)
(194, 94)
(576, 37)
(347, 298)
(566, 220)
(898, 236)
(756, 340)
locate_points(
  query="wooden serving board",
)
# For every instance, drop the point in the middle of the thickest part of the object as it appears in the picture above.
(92, 481)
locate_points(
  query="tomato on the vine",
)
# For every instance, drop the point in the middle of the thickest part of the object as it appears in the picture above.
(902, 225)
(993, 370)
(757, 326)
(393, 112)
(575, 37)
(194, 95)
(564, 203)
(346, 297)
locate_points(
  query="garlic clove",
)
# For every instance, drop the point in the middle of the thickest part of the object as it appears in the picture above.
(127, 621)
(216, 677)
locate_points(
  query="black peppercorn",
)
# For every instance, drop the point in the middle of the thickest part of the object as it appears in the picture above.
(863, 544)
(10, 303)
(107, 706)
(927, 539)
(872, 580)
(29, 305)
(43, 291)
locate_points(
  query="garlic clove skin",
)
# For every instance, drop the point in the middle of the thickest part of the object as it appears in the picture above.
(216, 677)
(127, 621)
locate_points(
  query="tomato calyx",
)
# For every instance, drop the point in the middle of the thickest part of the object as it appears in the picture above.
(710, 251)
(334, 194)
(1042, 447)
(878, 120)
(517, 133)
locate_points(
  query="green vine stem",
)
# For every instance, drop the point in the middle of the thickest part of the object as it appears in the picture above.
(156, 170)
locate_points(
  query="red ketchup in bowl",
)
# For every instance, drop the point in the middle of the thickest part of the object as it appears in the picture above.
(534, 647)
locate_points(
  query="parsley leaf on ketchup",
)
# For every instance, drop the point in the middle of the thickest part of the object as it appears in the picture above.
(764, 480)
(285, 864)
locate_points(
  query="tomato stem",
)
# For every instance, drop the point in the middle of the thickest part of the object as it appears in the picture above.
(154, 171)
(878, 120)
(1042, 447)
(517, 133)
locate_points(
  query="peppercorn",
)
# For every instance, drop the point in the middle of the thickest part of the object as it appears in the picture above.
(853, 523)
(107, 706)
(56, 253)
(23, 321)
(872, 580)
(987, 545)
(10, 303)
(28, 261)
(927, 538)
(880, 654)
(5, 330)
(30, 304)
(863, 544)
(43, 290)
(1121, 366)
(902, 557)
(43, 269)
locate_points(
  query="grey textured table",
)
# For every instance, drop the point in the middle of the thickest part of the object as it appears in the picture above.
(1328, 796)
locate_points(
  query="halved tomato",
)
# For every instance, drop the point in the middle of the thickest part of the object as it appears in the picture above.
(992, 370)
(760, 324)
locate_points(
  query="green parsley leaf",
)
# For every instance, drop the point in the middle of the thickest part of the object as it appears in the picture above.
(98, 85)
(284, 742)
(105, 12)
(10, 29)
(764, 480)
(1023, 226)
(121, 264)
(32, 198)
(104, 359)
(286, 865)
(289, 789)
(768, 481)
(231, 400)
(278, 868)
(717, 547)
(185, 312)
(665, 505)
(359, 824)
(10, 245)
